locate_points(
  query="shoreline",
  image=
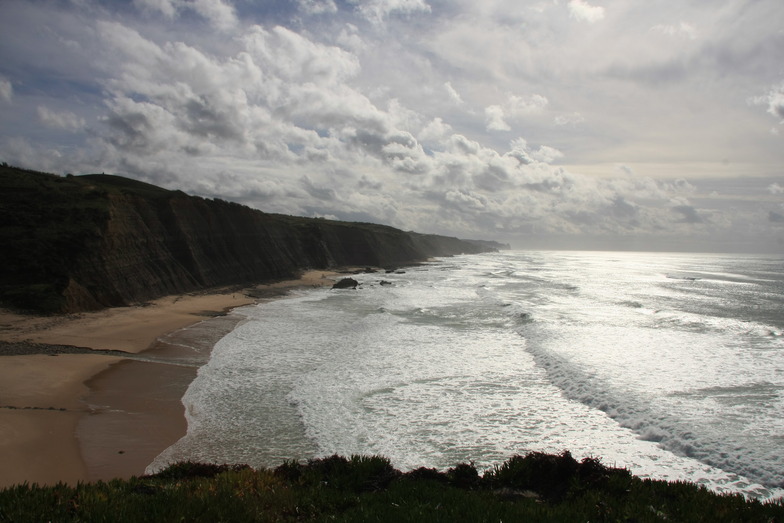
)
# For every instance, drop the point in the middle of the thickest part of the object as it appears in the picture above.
(75, 416)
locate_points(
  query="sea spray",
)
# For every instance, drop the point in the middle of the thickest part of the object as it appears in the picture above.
(475, 358)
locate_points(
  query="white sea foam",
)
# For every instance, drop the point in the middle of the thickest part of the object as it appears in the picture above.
(480, 357)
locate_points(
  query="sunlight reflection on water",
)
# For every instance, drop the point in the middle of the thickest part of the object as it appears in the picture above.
(604, 354)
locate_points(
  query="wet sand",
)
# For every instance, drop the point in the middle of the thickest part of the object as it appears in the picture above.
(83, 417)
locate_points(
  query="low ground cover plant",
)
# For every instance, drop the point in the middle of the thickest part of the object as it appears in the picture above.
(536, 487)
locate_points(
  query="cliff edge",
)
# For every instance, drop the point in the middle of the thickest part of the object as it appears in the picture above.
(79, 243)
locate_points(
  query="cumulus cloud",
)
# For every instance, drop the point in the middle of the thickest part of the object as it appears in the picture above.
(436, 130)
(349, 38)
(688, 214)
(466, 200)
(164, 7)
(62, 120)
(328, 114)
(6, 90)
(283, 99)
(583, 11)
(515, 107)
(217, 12)
(546, 154)
(494, 116)
(179, 97)
(774, 101)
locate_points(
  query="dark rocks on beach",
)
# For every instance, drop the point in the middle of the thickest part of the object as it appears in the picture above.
(26, 348)
(385, 282)
(346, 283)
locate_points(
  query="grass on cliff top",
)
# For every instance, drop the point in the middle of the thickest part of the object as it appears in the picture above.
(535, 487)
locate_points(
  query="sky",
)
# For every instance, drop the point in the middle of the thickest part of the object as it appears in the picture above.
(569, 124)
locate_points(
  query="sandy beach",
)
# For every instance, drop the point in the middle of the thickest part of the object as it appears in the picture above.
(70, 417)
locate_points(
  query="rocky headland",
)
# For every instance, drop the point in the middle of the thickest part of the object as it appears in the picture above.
(79, 243)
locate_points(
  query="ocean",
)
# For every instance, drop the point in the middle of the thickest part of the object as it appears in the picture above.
(668, 364)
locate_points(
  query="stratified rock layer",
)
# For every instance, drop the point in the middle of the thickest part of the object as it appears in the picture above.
(78, 243)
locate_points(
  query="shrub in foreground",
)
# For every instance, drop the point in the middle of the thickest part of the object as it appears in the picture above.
(356, 474)
(535, 487)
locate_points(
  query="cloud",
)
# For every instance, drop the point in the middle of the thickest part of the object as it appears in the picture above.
(546, 154)
(466, 200)
(572, 119)
(6, 90)
(581, 10)
(494, 116)
(681, 186)
(218, 13)
(623, 209)
(435, 131)
(379, 10)
(515, 107)
(452, 93)
(294, 58)
(314, 108)
(683, 29)
(63, 120)
(165, 7)
(271, 98)
(520, 106)
(775, 217)
(317, 7)
(774, 101)
(688, 214)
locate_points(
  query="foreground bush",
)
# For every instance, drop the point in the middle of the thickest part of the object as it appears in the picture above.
(535, 487)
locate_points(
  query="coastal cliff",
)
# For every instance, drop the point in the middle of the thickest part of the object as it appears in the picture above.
(79, 243)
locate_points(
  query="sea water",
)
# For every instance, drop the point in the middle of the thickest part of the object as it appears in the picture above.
(671, 365)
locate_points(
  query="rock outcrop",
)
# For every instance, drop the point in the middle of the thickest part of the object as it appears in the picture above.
(346, 283)
(78, 243)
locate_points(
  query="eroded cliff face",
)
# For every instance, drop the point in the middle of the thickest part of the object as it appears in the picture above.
(109, 241)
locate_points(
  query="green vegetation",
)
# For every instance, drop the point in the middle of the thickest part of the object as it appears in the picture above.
(536, 487)
(46, 223)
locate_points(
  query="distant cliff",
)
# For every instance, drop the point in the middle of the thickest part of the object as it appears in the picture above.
(79, 243)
